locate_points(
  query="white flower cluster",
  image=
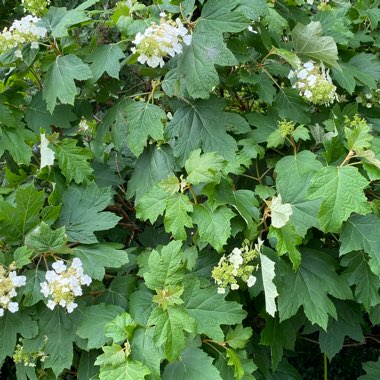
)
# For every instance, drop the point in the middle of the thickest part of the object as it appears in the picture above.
(236, 266)
(159, 41)
(369, 99)
(64, 284)
(313, 83)
(8, 284)
(21, 32)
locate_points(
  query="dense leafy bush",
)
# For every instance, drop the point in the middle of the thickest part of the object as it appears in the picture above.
(189, 189)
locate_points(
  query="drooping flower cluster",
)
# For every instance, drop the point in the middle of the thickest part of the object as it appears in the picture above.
(35, 7)
(64, 284)
(236, 266)
(369, 99)
(9, 281)
(313, 83)
(21, 32)
(160, 41)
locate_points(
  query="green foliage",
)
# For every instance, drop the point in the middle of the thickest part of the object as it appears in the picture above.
(152, 172)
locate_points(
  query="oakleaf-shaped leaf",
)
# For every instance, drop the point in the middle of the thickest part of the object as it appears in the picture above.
(194, 364)
(17, 220)
(372, 370)
(144, 120)
(129, 370)
(59, 81)
(210, 310)
(214, 225)
(359, 273)
(177, 217)
(81, 212)
(362, 233)
(218, 17)
(94, 319)
(44, 239)
(196, 66)
(341, 189)
(310, 286)
(169, 331)
(97, 257)
(105, 59)
(203, 168)
(202, 124)
(308, 41)
(165, 266)
(73, 160)
(13, 325)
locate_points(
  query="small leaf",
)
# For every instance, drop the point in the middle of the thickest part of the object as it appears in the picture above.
(280, 212)
(47, 154)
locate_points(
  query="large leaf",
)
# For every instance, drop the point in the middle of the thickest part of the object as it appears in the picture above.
(307, 40)
(194, 364)
(347, 324)
(177, 215)
(154, 164)
(59, 332)
(214, 225)
(10, 326)
(203, 168)
(97, 257)
(94, 318)
(15, 141)
(169, 331)
(310, 286)
(341, 189)
(144, 120)
(165, 267)
(291, 106)
(37, 116)
(105, 58)
(17, 220)
(279, 336)
(293, 178)
(210, 310)
(73, 160)
(144, 350)
(81, 212)
(202, 124)
(196, 66)
(59, 20)
(218, 17)
(59, 81)
(126, 370)
(359, 273)
(362, 233)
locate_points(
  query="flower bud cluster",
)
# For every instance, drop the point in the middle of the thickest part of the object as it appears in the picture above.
(160, 41)
(35, 7)
(313, 83)
(63, 284)
(21, 32)
(286, 127)
(236, 266)
(9, 281)
(369, 99)
(28, 359)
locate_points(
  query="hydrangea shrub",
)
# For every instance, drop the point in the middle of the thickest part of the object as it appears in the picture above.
(189, 188)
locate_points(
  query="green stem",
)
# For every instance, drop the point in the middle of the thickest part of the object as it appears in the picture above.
(325, 366)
